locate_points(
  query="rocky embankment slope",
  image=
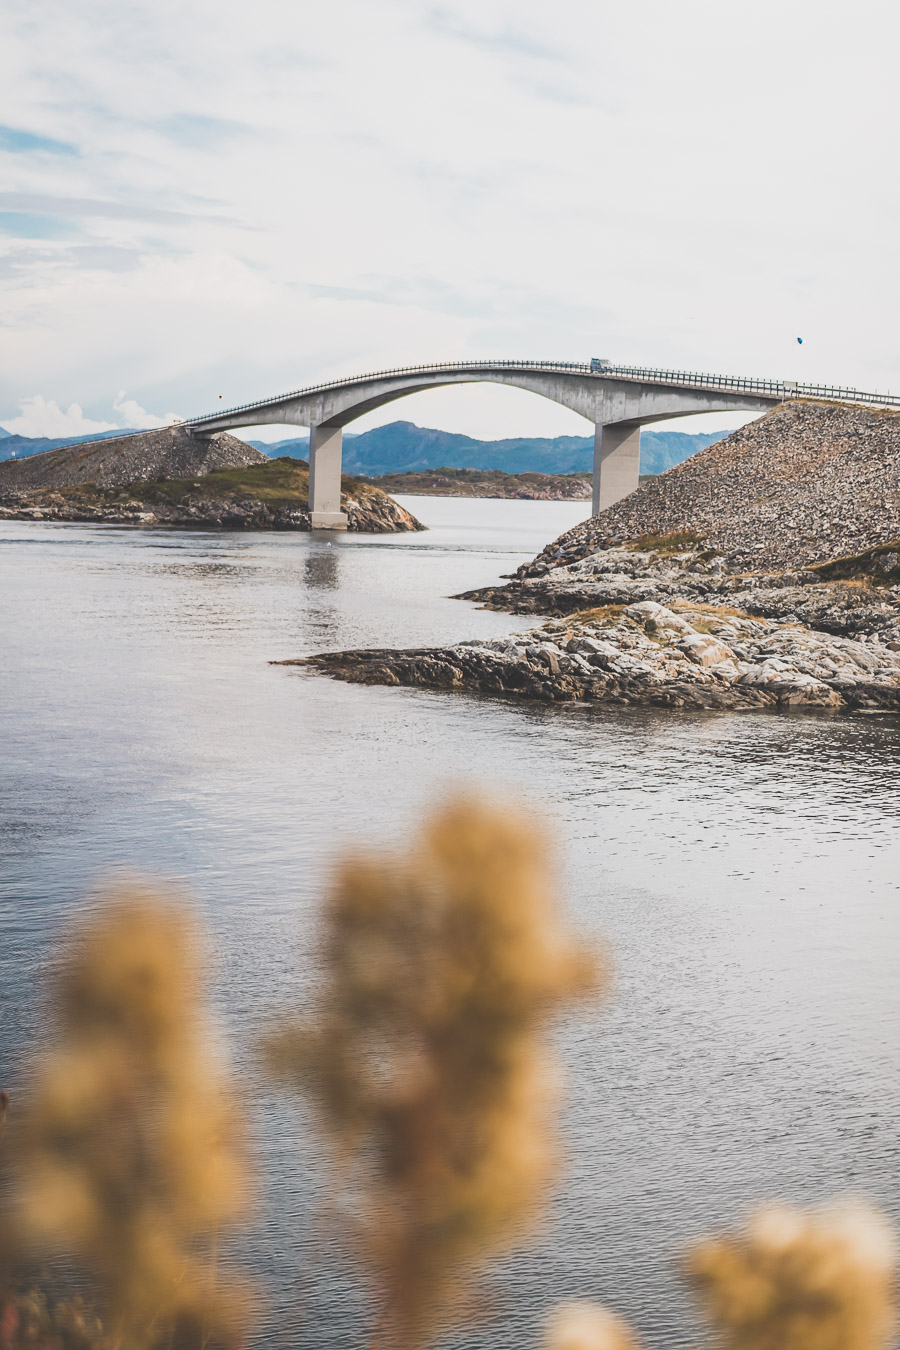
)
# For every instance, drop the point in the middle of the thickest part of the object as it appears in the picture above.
(708, 591)
(179, 481)
(805, 483)
(169, 452)
(538, 487)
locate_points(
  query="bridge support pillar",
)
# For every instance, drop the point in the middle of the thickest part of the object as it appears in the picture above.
(325, 478)
(617, 462)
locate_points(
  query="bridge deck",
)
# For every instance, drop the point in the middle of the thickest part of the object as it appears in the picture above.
(678, 379)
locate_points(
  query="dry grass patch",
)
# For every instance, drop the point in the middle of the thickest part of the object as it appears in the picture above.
(602, 614)
(878, 566)
(721, 612)
(679, 541)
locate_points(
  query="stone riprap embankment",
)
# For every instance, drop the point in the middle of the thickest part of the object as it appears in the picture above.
(169, 452)
(805, 483)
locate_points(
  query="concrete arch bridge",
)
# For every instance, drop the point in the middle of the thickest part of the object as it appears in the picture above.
(619, 400)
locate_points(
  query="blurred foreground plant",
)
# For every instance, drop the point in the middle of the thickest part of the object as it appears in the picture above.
(801, 1281)
(130, 1150)
(588, 1326)
(792, 1280)
(425, 1059)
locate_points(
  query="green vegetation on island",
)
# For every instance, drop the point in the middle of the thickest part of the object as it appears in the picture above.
(447, 482)
(267, 494)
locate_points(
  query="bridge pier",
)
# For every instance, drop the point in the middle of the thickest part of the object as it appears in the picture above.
(325, 445)
(617, 462)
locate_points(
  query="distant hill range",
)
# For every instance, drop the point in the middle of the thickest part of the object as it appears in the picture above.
(403, 447)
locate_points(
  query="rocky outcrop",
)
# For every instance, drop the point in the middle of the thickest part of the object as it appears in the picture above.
(170, 452)
(648, 653)
(862, 605)
(372, 513)
(804, 484)
(671, 630)
(266, 494)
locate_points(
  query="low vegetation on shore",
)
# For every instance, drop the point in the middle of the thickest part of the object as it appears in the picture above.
(550, 487)
(425, 1053)
(268, 494)
(168, 477)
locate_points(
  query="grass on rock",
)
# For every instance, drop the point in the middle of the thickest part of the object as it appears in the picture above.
(279, 482)
(879, 566)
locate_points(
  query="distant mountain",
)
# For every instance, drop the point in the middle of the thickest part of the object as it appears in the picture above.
(403, 447)
(13, 446)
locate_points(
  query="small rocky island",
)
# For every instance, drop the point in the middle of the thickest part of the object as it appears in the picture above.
(168, 477)
(762, 573)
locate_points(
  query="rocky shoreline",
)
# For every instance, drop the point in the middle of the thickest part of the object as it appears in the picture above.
(640, 627)
(172, 479)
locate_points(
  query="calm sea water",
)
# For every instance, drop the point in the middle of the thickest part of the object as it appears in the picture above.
(743, 869)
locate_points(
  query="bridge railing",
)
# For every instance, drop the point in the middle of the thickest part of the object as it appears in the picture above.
(738, 384)
(774, 389)
(443, 367)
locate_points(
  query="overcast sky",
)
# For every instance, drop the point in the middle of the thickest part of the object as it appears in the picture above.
(200, 197)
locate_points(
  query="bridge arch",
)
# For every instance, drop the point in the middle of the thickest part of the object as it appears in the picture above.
(618, 400)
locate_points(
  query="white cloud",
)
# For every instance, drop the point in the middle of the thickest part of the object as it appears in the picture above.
(136, 417)
(42, 417)
(309, 191)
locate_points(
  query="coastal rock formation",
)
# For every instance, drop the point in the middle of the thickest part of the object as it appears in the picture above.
(806, 483)
(672, 629)
(169, 452)
(856, 596)
(647, 653)
(762, 573)
(265, 494)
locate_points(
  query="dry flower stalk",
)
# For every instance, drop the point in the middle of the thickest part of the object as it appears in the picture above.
(131, 1149)
(587, 1326)
(801, 1281)
(441, 969)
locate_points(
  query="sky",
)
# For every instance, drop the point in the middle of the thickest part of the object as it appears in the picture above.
(203, 198)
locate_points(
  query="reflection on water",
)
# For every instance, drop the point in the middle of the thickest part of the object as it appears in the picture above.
(743, 868)
(322, 568)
